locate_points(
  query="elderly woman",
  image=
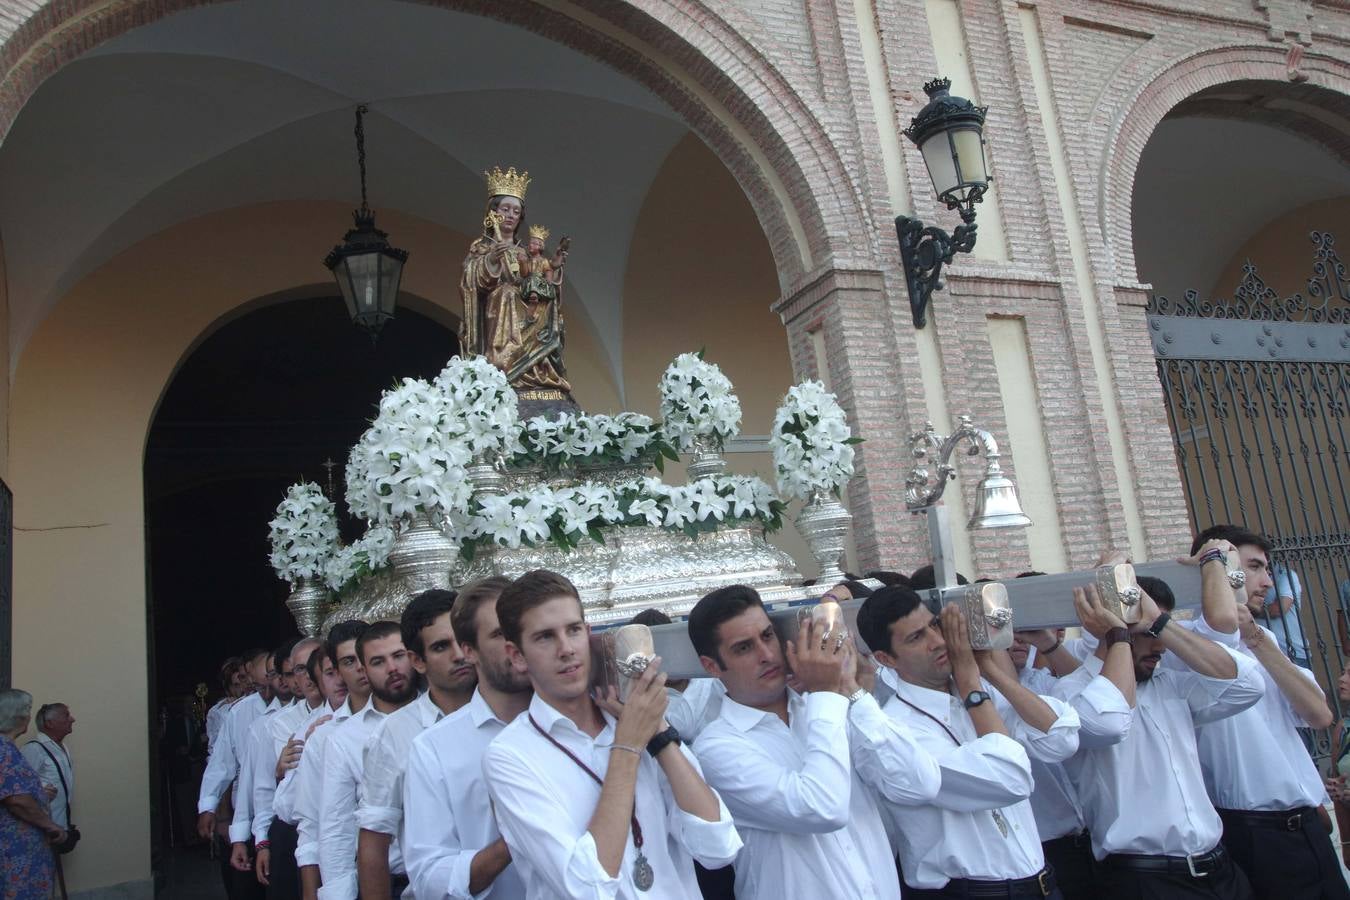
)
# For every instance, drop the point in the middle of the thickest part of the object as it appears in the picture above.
(27, 866)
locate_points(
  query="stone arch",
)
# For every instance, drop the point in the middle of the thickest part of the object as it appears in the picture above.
(1132, 120)
(699, 56)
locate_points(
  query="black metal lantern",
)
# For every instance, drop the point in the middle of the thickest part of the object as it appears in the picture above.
(949, 132)
(367, 269)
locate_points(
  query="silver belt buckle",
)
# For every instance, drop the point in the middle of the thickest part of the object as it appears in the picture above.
(1190, 864)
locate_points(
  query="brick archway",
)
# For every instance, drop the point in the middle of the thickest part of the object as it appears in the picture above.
(1130, 122)
(698, 56)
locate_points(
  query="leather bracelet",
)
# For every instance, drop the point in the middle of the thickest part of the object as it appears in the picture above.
(1214, 555)
(662, 740)
(1117, 635)
(1058, 643)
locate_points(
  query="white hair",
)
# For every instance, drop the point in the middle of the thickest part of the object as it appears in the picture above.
(15, 706)
(48, 711)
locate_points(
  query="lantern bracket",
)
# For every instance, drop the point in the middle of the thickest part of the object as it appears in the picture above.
(924, 250)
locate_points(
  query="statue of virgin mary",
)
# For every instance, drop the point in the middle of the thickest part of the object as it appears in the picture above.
(522, 336)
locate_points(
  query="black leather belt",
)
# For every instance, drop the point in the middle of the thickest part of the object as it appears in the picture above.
(1280, 819)
(1042, 884)
(1078, 841)
(1197, 866)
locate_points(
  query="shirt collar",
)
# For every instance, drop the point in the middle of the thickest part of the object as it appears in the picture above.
(936, 703)
(369, 712)
(428, 713)
(743, 718)
(482, 713)
(549, 718)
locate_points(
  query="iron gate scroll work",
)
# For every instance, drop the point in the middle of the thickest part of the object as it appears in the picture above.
(1258, 398)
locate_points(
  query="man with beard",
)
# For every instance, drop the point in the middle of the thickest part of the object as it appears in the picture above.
(1263, 783)
(1154, 830)
(451, 845)
(388, 667)
(594, 801)
(341, 651)
(450, 677)
(275, 841)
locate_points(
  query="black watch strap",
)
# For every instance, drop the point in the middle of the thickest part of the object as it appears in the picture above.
(1160, 623)
(662, 740)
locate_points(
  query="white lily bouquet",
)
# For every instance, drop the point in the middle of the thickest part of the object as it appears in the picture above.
(591, 440)
(569, 515)
(406, 463)
(811, 442)
(359, 559)
(697, 402)
(480, 406)
(304, 533)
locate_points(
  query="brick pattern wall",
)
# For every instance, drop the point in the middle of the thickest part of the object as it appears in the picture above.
(779, 90)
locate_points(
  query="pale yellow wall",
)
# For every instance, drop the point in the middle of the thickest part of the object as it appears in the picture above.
(700, 275)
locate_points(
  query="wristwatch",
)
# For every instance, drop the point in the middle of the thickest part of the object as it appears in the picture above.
(1159, 624)
(975, 698)
(856, 696)
(663, 739)
(1117, 635)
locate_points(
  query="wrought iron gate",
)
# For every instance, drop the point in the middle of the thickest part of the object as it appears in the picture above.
(1258, 398)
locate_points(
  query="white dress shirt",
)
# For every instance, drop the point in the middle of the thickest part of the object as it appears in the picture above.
(690, 710)
(222, 766)
(1256, 760)
(283, 799)
(447, 814)
(810, 827)
(1103, 719)
(267, 742)
(381, 808)
(254, 742)
(309, 787)
(51, 769)
(215, 719)
(980, 824)
(339, 797)
(544, 805)
(1146, 794)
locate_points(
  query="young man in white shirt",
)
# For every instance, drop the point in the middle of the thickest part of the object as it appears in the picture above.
(281, 680)
(594, 802)
(977, 836)
(388, 666)
(341, 651)
(275, 841)
(1154, 830)
(450, 677)
(1267, 793)
(784, 761)
(222, 766)
(451, 847)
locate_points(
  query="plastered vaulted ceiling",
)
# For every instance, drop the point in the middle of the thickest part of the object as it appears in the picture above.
(253, 101)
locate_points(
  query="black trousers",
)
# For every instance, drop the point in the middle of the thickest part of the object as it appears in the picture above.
(716, 884)
(283, 880)
(1225, 883)
(1075, 870)
(1288, 856)
(238, 885)
(960, 889)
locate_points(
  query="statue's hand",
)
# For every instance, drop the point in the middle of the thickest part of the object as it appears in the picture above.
(560, 259)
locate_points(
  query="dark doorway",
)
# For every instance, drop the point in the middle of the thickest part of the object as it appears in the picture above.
(260, 404)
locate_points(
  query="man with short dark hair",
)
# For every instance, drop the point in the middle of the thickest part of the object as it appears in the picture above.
(256, 740)
(340, 648)
(388, 668)
(451, 845)
(1151, 842)
(443, 662)
(222, 766)
(1266, 789)
(594, 801)
(977, 836)
(784, 761)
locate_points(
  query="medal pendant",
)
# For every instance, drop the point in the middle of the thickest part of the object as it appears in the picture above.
(643, 876)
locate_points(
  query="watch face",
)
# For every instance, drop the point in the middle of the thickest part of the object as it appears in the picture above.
(975, 698)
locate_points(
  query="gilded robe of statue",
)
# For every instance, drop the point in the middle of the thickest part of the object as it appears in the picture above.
(522, 337)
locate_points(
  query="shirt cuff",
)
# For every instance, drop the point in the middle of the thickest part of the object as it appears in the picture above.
(829, 705)
(341, 888)
(307, 854)
(866, 716)
(240, 832)
(1205, 630)
(382, 819)
(583, 867)
(713, 844)
(460, 874)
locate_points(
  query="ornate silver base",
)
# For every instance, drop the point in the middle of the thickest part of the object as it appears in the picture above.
(824, 522)
(308, 603)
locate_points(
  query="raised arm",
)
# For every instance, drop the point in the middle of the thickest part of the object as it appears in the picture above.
(1201, 655)
(1218, 601)
(1296, 683)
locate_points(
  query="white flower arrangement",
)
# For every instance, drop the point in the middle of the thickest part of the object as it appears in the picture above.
(480, 405)
(591, 440)
(366, 556)
(697, 402)
(406, 462)
(811, 442)
(304, 533)
(567, 516)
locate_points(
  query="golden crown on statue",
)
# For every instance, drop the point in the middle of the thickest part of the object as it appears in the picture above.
(507, 184)
(539, 231)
